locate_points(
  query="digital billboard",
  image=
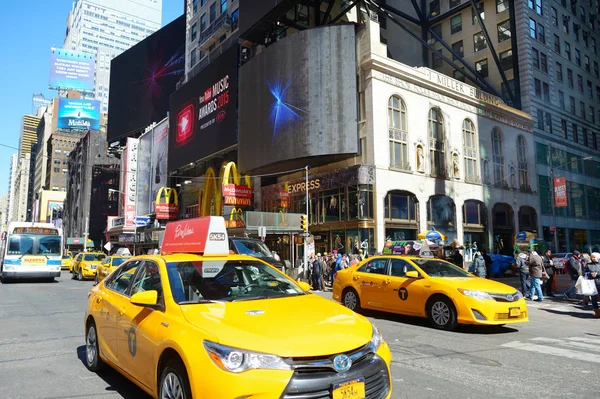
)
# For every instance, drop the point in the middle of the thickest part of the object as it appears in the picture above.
(78, 114)
(158, 177)
(203, 116)
(71, 70)
(143, 78)
(298, 99)
(143, 174)
(253, 11)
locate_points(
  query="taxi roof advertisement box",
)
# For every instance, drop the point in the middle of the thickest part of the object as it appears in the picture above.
(203, 117)
(298, 99)
(205, 235)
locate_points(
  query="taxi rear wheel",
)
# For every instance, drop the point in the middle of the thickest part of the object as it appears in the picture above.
(441, 313)
(351, 300)
(174, 382)
(92, 352)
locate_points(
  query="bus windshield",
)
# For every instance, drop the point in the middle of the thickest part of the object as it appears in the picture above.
(25, 244)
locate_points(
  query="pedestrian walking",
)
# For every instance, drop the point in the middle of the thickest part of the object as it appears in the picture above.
(480, 267)
(318, 273)
(574, 265)
(536, 271)
(591, 271)
(550, 271)
(457, 259)
(523, 270)
(585, 259)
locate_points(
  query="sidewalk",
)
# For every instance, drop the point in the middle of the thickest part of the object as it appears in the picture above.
(563, 282)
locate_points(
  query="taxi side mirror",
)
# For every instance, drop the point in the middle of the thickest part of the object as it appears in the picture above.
(412, 274)
(305, 286)
(148, 299)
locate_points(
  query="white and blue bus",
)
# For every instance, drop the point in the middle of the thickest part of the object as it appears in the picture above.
(32, 250)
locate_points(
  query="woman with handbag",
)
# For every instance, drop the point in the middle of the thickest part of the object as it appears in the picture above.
(591, 271)
(550, 271)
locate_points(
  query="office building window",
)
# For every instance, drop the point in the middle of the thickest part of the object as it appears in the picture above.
(437, 142)
(506, 86)
(572, 104)
(592, 115)
(479, 42)
(540, 119)
(570, 78)
(456, 74)
(434, 7)
(586, 41)
(578, 57)
(548, 125)
(580, 83)
(195, 6)
(559, 72)
(594, 141)
(501, 5)
(593, 40)
(541, 33)
(582, 109)
(586, 63)
(561, 99)
(454, 3)
(544, 62)
(575, 32)
(482, 67)
(504, 31)
(235, 19)
(584, 133)
(223, 6)
(566, 24)
(575, 133)
(498, 156)
(554, 14)
(506, 60)
(194, 33)
(213, 12)
(203, 24)
(582, 14)
(522, 162)
(470, 144)
(563, 128)
(596, 69)
(536, 5)
(398, 134)
(556, 44)
(192, 58)
(532, 28)
(437, 61)
(474, 16)
(546, 88)
(535, 55)
(458, 49)
(456, 24)
(568, 50)
(203, 2)
(589, 89)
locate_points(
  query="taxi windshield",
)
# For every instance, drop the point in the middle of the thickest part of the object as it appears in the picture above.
(439, 268)
(227, 281)
(93, 257)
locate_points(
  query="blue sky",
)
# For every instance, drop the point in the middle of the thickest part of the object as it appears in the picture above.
(25, 41)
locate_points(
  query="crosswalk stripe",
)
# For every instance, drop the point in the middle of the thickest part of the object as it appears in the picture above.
(550, 350)
(584, 339)
(562, 342)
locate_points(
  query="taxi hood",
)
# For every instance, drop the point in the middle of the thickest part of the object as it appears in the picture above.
(304, 325)
(475, 284)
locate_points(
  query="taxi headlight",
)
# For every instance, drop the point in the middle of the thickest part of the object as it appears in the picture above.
(517, 295)
(238, 360)
(376, 339)
(476, 294)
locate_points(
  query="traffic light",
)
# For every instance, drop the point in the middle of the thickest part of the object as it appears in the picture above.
(304, 222)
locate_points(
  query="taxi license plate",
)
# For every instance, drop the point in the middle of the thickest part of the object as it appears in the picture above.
(514, 312)
(354, 389)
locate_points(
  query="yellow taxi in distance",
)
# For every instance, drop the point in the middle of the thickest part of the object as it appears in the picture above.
(67, 261)
(108, 265)
(428, 287)
(197, 322)
(85, 264)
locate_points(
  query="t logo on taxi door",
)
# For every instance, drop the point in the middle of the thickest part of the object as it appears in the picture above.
(403, 293)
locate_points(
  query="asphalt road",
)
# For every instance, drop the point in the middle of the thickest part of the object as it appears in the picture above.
(556, 355)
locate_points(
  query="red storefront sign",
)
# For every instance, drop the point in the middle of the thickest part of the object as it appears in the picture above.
(560, 192)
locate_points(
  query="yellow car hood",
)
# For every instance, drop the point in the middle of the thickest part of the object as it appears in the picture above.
(305, 325)
(475, 284)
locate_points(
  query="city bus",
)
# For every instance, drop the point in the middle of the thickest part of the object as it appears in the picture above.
(32, 250)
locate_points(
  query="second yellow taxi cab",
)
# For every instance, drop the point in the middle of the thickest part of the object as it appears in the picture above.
(67, 261)
(85, 264)
(107, 266)
(428, 287)
(198, 322)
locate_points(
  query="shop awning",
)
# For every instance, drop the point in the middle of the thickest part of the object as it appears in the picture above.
(432, 235)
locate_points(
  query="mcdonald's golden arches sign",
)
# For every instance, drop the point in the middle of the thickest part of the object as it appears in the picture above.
(170, 207)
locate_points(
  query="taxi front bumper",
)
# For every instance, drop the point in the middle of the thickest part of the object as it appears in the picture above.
(87, 272)
(491, 311)
(374, 369)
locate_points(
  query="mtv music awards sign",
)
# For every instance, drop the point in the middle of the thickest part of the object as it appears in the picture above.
(78, 114)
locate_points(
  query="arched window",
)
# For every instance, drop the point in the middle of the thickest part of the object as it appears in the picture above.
(498, 157)
(522, 160)
(470, 151)
(397, 133)
(437, 144)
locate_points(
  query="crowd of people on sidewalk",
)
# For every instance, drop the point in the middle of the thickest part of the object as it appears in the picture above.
(538, 273)
(322, 267)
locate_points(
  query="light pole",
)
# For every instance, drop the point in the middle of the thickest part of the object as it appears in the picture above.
(553, 195)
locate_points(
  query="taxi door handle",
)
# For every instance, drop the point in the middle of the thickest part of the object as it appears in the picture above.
(121, 311)
(387, 281)
(355, 278)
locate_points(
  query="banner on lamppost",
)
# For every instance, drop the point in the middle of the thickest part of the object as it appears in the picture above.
(560, 192)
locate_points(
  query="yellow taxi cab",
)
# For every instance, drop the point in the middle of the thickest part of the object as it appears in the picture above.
(428, 287)
(67, 261)
(108, 265)
(85, 264)
(197, 322)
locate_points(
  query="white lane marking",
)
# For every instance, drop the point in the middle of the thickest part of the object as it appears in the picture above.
(568, 342)
(584, 339)
(549, 350)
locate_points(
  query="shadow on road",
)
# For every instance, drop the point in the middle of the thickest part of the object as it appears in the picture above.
(421, 322)
(580, 315)
(116, 382)
(30, 280)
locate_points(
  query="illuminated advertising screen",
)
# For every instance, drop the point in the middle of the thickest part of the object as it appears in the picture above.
(253, 11)
(298, 99)
(71, 70)
(158, 177)
(203, 116)
(78, 114)
(142, 80)
(142, 205)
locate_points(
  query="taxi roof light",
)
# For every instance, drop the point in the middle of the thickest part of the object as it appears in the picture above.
(204, 236)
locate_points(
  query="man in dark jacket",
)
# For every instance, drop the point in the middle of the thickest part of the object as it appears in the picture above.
(317, 274)
(535, 271)
(523, 270)
(575, 271)
(592, 271)
(549, 266)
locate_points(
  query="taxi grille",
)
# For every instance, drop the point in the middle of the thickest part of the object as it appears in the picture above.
(506, 298)
(317, 384)
(505, 316)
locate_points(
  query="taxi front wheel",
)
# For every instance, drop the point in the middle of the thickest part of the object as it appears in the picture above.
(92, 352)
(174, 382)
(351, 300)
(441, 313)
